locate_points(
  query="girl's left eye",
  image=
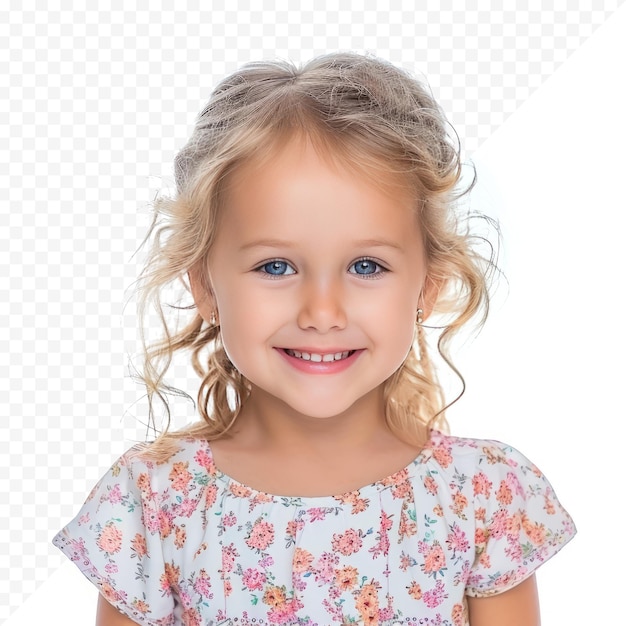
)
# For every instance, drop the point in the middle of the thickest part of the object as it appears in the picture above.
(367, 267)
(276, 268)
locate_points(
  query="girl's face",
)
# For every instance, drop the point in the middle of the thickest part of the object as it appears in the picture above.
(316, 274)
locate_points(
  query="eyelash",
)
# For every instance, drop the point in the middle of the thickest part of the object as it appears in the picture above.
(381, 270)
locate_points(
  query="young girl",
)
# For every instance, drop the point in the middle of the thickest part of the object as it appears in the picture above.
(313, 226)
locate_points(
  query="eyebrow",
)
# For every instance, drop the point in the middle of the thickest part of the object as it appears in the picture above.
(280, 243)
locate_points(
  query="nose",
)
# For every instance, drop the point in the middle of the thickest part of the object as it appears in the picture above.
(322, 306)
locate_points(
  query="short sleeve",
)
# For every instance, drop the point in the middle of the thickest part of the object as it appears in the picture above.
(115, 542)
(520, 523)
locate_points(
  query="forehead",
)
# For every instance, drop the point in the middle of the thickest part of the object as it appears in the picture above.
(300, 190)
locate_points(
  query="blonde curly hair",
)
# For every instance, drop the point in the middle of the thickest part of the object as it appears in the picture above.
(373, 118)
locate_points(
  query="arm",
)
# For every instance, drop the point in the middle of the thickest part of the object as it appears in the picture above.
(518, 606)
(108, 615)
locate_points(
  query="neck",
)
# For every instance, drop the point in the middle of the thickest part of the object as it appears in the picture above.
(266, 421)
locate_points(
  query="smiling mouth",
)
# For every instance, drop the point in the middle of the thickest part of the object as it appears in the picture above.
(319, 358)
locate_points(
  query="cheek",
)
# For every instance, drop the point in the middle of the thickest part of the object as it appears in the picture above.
(244, 327)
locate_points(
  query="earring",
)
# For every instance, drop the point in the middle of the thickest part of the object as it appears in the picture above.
(213, 321)
(419, 333)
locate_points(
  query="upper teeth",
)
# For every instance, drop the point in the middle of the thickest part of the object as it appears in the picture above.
(313, 356)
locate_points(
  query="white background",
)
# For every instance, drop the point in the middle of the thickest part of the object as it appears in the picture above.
(90, 135)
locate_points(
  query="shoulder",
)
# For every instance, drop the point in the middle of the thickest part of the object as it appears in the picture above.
(185, 460)
(478, 454)
(490, 475)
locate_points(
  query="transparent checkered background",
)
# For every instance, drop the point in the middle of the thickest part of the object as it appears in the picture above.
(94, 105)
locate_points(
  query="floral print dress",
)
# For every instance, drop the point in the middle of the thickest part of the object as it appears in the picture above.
(180, 542)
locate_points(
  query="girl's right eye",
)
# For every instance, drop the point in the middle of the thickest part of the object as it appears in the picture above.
(276, 268)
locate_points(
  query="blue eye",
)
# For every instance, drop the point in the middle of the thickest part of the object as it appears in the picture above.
(366, 267)
(277, 268)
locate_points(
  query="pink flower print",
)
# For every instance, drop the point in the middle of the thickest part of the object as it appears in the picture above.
(229, 554)
(186, 507)
(549, 507)
(143, 482)
(261, 536)
(408, 527)
(141, 606)
(406, 561)
(482, 485)
(191, 617)
(514, 552)
(480, 537)
(317, 514)
(151, 519)
(110, 593)
(346, 578)
(347, 543)
(396, 479)
(185, 598)
(497, 528)
(504, 581)
(171, 578)
(260, 498)
(504, 495)
(110, 539)
(536, 532)
(403, 491)
(443, 455)
(458, 615)
(202, 584)
(385, 522)
(239, 491)
(281, 615)
(459, 503)
(138, 545)
(229, 519)
(164, 585)
(228, 588)
(367, 604)
(285, 613)
(294, 526)
(180, 536)
(382, 545)
(434, 559)
(325, 567)
(210, 495)
(457, 540)
(514, 525)
(431, 485)
(357, 503)
(266, 561)
(165, 523)
(114, 495)
(83, 519)
(460, 578)
(253, 579)
(415, 591)
(78, 549)
(111, 568)
(274, 596)
(434, 597)
(302, 560)
(514, 484)
(204, 459)
(180, 477)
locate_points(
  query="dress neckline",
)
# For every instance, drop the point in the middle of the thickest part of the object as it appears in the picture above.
(392, 480)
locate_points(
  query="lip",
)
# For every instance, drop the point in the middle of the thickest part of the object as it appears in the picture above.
(320, 367)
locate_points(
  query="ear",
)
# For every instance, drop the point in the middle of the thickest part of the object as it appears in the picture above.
(202, 295)
(430, 294)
